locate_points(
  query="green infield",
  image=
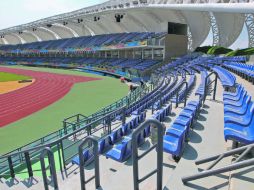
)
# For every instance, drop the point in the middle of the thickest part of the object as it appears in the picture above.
(85, 98)
(6, 77)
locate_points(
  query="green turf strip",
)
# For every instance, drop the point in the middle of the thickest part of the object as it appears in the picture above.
(5, 77)
(85, 98)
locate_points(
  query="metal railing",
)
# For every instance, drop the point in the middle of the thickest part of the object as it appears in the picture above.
(159, 148)
(10, 163)
(208, 84)
(185, 93)
(51, 160)
(96, 176)
(236, 164)
(58, 144)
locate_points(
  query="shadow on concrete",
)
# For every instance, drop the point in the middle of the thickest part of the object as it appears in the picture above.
(29, 182)
(190, 153)
(202, 118)
(240, 176)
(169, 166)
(198, 126)
(11, 182)
(203, 111)
(195, 137)
(145, 146)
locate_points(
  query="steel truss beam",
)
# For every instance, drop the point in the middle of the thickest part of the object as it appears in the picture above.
(249, 22)
(215, 30)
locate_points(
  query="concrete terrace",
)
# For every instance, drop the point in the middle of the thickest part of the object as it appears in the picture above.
(205, 139)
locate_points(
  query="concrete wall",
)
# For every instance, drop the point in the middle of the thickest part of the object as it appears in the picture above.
(175, 45)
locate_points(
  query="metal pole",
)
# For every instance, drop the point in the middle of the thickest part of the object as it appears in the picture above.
(28, 164)
(215, 86)
(12, 173)
(82, 163)
(159, 149)
(47, 151)
(228, 168)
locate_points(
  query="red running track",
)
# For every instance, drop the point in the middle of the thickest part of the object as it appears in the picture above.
(47, 89)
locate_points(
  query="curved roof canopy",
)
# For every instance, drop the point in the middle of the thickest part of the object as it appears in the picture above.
(222, 17)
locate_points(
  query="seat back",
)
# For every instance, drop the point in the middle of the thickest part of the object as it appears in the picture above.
(251, 114)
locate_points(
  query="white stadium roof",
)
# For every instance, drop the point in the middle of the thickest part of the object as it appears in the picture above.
(224, 18)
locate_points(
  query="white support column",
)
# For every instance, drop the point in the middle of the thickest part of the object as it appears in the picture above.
(152, 53)
(249, 22)
(142, 53)
(215, 29)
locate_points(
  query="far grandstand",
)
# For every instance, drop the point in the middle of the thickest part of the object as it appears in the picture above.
(128, 95)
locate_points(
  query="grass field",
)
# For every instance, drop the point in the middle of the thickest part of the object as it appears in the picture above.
(85, 98)
(5, 77)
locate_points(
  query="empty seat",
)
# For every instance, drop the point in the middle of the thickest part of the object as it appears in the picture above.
(88, 157)
(242, 131)
(116, 135)
(105, 144)
(120, 152)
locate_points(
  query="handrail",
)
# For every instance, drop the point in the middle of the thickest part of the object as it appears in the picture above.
(96, 161)
(177, 93)
(48, 152)
(159, 148)
(208, 84)
(58, 140)
(237, 164)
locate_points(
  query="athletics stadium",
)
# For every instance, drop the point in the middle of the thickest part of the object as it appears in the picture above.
(128, 95)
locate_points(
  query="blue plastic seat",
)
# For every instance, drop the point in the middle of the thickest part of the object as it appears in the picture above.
(173, 144)
(237, 110)
(87, 155)
(236, 103)
(234, 96)
(147, 131)
(244, 132)
(187, 113)
(176, 130)
(116, 135)
(184, 121)
(105, 144)
(134, 122)
(126, 129)
(120, 152)
(243, 120)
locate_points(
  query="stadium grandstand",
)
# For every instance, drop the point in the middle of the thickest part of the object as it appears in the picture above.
(124, 95)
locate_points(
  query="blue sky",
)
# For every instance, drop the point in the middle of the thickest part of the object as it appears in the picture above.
(16, 12)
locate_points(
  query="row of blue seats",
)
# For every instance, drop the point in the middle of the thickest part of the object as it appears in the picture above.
(167, 93)
(84, 41)
(201, 88)
(110, 140)
(177, 135)
(238, 116)
(184, 91)
(227, 79)
(244, 70)
(161, 114)
(122, 151)
(146, 101)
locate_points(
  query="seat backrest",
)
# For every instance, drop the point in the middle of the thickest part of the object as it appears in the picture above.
(251, 114)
